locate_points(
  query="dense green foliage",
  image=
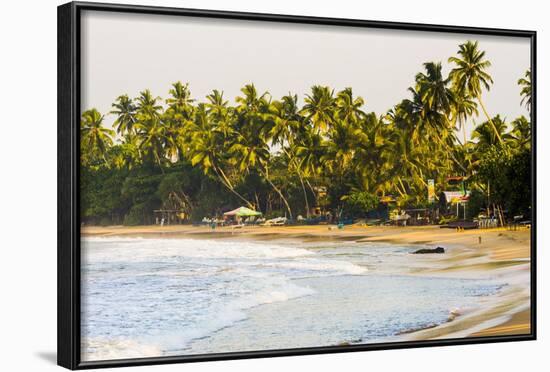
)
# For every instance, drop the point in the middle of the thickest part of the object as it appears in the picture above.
(284, 157)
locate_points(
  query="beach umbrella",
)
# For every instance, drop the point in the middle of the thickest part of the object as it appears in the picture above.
(243, 212)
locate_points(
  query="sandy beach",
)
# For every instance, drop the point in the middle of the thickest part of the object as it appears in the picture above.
(472, 253)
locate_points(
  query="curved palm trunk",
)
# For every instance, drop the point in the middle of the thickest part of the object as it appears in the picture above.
(404, 192)
(277, 190)
(225, 181)
(157, 158)
(489, 119)
(301, 182)
(463, 125)
(444, 144)
(305, 195)
(313, 192)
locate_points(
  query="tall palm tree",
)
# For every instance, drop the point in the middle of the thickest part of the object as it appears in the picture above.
(433, 89)
(150, 127)
(525, 84)
(470, 76)
(250, 146)
(319, 108)
(373, 143)
(125, 110)
(176, 118)
(95, 138)
(436, 100)
(208, 150)
(286, 123)
(429, 110)
(147, 105)
(310, 148)
(180, 95)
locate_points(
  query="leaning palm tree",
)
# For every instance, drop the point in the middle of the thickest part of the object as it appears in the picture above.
(285, 125)
(470, 76)
(208, 150)
(486, 136)
(525, 84)
(249, 148)
(95, 138)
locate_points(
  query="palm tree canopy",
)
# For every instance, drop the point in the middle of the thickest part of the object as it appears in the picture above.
(525, 84)
(125, 110)
(470, 75)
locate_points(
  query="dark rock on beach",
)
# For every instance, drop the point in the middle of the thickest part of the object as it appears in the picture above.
(430, 250)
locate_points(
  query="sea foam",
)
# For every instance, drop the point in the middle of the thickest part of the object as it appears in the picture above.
(166, 293)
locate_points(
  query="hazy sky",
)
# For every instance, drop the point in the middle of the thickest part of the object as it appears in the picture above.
(127, 53)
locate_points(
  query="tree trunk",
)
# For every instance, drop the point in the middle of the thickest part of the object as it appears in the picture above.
(225, 181)
(265, 175)
(301, 182)
(489, 119)
(305, 195)
(404, 192)
(451, 154)
(313, 192)
(463, 125)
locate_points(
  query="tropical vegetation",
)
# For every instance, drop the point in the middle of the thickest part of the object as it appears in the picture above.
(289, 156)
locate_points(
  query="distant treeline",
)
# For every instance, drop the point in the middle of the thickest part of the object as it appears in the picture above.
(283, 158)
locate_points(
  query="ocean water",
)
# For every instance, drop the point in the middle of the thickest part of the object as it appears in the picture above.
(159, 297)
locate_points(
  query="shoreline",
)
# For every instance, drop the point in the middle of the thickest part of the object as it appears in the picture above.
(496, 253)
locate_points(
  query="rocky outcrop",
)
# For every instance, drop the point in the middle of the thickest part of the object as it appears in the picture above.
(430, 250)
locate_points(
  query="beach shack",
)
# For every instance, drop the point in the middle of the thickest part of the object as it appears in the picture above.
(456, 199)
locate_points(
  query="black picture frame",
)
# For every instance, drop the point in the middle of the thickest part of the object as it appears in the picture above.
(68, 247)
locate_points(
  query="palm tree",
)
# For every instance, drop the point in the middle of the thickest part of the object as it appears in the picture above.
(433, 89)
(406, 158)
(153, 136)
(310, 148)
(463, 108)
(349, 108)
(150, 127)
(208, 150)
(176, 118)
(521, 131)
(373, 145)
(286, 123)
(147, 105)
(95, 138)
(488, 135)
(125, 110)
(250, 145)
(429, 110)
(180, 95)
(319, 108)
(526, 90)
(470, 76)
